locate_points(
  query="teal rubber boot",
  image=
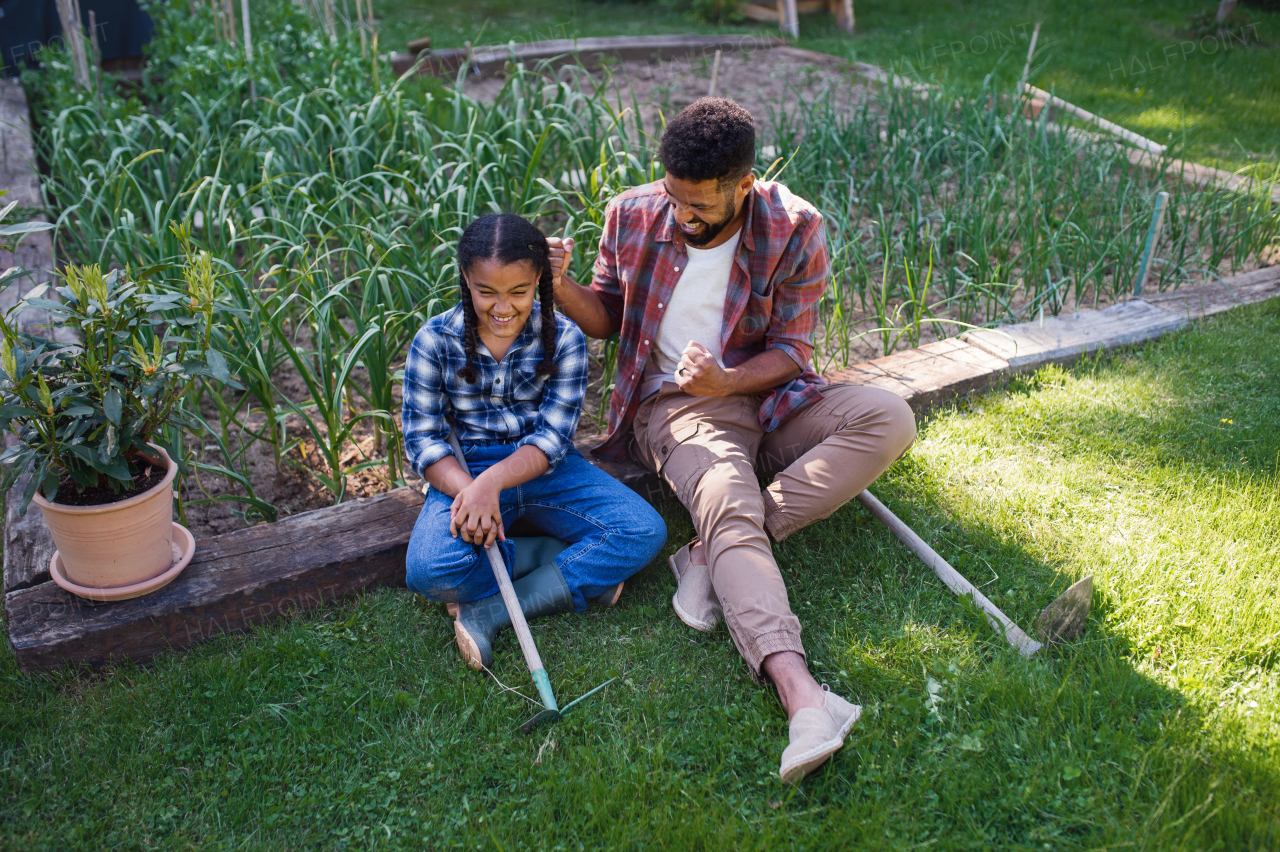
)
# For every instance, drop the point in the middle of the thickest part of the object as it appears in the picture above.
(531, 552)
(542, 591)
(534, 552)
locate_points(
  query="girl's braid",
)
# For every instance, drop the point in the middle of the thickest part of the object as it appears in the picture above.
(548, 365)
(470, 321)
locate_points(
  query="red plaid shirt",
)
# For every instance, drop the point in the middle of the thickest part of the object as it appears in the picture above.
(778, 276)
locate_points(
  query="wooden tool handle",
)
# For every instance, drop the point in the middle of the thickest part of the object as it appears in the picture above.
(518, 623)
(953, 579)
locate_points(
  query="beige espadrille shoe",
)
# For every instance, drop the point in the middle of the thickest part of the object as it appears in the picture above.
(816, 734)
(695, 602)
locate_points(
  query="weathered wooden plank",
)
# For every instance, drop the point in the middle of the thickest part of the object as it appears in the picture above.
(1197, 174)
(1064, 338)
(16, 152)
(872, 374)
(235, 581)
(588, 52)
(18, 175)
(27, 544)
(930, 374)
(1206, 299)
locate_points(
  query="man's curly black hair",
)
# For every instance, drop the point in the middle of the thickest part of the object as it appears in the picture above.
(711, 139)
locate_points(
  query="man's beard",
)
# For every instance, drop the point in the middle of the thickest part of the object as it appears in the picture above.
(711, 230)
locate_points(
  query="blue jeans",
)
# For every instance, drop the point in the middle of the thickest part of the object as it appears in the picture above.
(612, 532)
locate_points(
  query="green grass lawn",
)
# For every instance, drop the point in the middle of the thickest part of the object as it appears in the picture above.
(1157, 470)
(1138, 64)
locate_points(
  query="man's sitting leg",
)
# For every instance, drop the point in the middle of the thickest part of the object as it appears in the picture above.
(819, 726)
(828, 453)
(711, 468)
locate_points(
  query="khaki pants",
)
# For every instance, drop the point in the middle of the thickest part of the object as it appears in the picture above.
(708, 448)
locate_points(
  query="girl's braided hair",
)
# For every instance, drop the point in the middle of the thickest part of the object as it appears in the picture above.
(506, 238)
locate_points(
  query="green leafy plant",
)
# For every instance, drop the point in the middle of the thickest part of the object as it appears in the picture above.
(84, 413)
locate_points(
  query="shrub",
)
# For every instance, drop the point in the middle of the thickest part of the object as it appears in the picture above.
(84, 413)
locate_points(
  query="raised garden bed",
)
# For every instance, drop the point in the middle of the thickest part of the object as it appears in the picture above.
(587, 52)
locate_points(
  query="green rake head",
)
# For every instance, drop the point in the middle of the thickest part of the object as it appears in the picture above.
(551, 715)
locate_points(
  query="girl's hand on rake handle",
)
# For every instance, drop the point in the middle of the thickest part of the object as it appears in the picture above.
(476, 516)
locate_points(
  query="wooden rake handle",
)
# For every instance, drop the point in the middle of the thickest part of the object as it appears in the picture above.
(531, 656)
(951, 578)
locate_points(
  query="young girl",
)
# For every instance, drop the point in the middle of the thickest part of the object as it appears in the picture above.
(509, 375)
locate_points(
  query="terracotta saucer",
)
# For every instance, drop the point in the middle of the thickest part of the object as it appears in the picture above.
(184, 547)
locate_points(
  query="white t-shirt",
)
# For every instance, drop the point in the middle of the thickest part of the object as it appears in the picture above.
(695, 312)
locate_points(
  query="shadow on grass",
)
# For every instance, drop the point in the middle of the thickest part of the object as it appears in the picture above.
(965, 743)
(1205, 398)
(357, 727)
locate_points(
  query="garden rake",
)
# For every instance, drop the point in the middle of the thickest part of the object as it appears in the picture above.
(1060, 621)
(551, 711)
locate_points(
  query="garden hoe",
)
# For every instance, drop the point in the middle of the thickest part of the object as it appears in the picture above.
(551, 711)
(1062, 620)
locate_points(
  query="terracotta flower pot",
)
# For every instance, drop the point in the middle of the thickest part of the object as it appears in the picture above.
(115, 544)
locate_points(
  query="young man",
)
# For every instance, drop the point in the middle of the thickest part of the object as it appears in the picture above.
(713, 278)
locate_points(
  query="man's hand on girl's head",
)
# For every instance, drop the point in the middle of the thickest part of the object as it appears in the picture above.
(561, 255)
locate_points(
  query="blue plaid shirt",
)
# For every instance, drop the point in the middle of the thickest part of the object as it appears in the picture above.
(508, 402)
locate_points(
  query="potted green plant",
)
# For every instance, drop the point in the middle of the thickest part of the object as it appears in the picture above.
(98, 423)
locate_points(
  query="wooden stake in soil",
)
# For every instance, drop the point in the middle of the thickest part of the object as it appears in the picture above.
(229, 11)
(1031, 51)
(364, 46)
(216, 6)
(1153, 237)
(82, 51)
(97, 58)
(715, 75)
(248, 49)
(73, 32)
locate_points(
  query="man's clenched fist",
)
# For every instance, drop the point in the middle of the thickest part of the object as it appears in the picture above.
(699, 373)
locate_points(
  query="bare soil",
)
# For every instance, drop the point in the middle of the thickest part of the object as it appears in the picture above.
(760, 80)
(146, 479)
